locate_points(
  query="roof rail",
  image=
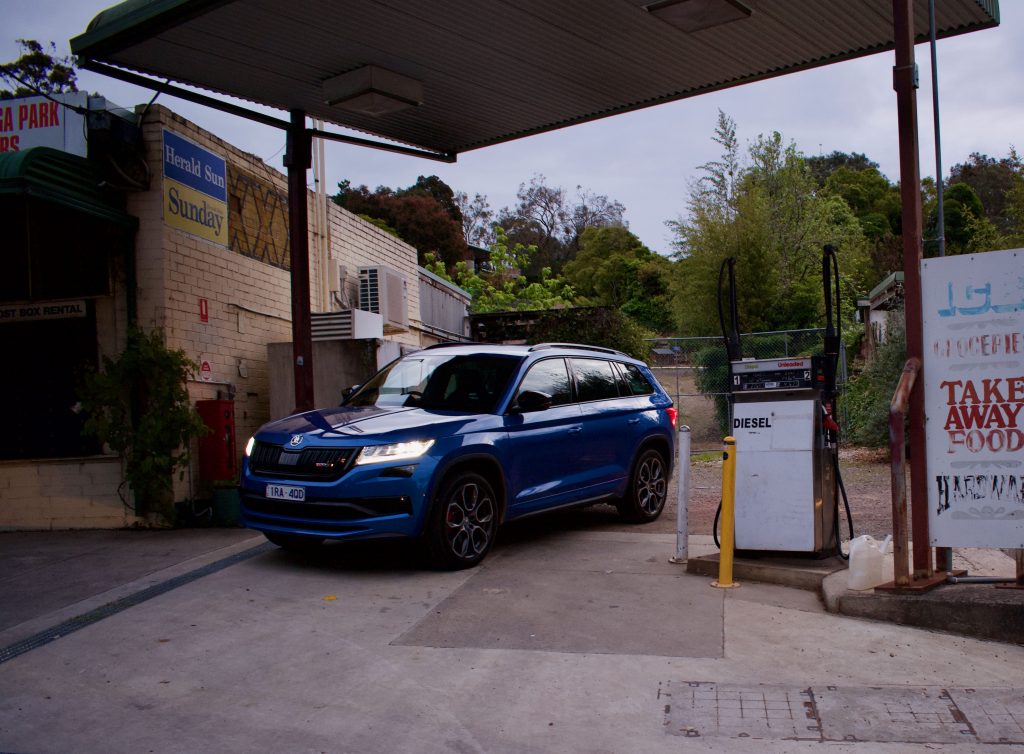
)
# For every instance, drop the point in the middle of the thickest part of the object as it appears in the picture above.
(578, 346)
(450, 343)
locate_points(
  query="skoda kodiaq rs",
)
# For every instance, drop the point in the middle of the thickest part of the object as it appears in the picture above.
(444, 444)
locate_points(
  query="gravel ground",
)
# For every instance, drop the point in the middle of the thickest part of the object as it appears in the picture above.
(865, 474)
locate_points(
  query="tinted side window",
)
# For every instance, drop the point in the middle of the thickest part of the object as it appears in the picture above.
(549, 377)
(638, 384)
(595, 379)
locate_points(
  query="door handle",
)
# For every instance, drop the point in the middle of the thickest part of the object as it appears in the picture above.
(575, 430)
(634, 420)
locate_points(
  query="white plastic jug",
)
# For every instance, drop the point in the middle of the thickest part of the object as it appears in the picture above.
(866, 557)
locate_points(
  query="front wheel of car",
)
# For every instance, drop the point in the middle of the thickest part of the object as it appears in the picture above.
(462, 523)
(648, 489)
(294, 542)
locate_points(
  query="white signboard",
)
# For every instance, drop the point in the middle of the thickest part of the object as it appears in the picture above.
(974, 398)
(57, 121)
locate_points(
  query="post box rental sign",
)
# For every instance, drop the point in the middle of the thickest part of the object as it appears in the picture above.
(195, 189)
(974, 398)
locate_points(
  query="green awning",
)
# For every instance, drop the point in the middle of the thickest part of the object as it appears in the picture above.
(61, 178)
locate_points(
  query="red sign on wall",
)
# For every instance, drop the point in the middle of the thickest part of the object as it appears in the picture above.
(204, 310)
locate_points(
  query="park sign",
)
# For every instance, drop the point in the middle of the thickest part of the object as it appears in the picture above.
(973, 307)
(195, 189)
(56, 121)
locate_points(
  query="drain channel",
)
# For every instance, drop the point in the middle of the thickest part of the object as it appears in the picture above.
(112, 608)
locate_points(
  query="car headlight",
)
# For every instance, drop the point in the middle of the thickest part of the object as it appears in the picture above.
(249, 446)
(399, 451)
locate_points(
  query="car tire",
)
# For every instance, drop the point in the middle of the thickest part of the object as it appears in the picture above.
(463, 522)
(648, 489)
(294, 542)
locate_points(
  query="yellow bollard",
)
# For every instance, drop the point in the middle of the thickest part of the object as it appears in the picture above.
(728, 516)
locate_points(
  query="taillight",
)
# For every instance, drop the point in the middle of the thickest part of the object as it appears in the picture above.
(673, 414)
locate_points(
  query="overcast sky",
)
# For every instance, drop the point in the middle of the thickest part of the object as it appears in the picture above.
(647, 159)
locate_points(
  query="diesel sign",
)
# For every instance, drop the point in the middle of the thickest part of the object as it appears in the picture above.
(751, 422)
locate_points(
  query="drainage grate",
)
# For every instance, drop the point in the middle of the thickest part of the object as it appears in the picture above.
(112, 608)
(890, 714)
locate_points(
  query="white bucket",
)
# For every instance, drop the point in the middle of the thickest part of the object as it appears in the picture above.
(867, 555)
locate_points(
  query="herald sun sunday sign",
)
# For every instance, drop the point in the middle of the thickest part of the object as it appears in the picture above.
(195, 189)
(974, 398)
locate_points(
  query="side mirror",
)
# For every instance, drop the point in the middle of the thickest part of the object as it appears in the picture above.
(532, 400)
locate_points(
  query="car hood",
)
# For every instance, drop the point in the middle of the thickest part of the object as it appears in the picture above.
(343, 422)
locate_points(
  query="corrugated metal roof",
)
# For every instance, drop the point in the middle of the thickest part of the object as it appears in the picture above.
(54, 176)
(491, 71)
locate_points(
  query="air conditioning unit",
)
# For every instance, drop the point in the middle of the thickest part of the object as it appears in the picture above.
(348, 324)
(382, 291)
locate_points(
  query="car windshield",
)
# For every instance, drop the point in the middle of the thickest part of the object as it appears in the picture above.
(467, 383)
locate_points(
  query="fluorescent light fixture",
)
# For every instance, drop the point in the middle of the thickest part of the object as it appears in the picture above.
(694, 15)
(371, 90)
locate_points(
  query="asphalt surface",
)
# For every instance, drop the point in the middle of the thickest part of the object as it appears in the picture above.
(567, 638)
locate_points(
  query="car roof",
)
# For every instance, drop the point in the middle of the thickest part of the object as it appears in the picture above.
(559, 349)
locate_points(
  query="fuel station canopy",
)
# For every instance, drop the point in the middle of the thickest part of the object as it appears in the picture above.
(447, 76)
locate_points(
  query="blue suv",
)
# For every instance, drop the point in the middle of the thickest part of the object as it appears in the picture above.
(444, 444)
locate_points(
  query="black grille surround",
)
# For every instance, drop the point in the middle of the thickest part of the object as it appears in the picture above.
(335, 517)
(308, 463)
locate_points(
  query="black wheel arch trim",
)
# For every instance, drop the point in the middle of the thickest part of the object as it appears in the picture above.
(470, 460)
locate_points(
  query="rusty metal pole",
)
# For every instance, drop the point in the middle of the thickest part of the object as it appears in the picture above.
(898, 478)
(905, 84)
(297, 159)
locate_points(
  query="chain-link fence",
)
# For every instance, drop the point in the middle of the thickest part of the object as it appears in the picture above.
(695, 372)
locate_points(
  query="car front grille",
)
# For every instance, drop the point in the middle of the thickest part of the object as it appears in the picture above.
(309, 463)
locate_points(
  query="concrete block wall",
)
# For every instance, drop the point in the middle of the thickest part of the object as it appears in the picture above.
(65, 494)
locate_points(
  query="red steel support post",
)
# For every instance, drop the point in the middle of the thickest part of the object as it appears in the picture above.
(905, 84)
(898, 478)
(297, 159)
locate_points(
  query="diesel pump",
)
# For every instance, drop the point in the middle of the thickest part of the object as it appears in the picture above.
(782, 413)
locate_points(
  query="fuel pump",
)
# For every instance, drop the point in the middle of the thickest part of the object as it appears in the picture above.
(787, 440)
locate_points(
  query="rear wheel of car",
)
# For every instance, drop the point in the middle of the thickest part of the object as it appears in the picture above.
(648, 489)
(294, 542)
(462, 523)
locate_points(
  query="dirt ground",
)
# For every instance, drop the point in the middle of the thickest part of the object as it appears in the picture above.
(865, 474)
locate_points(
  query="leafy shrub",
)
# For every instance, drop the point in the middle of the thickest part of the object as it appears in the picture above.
(869, 394)
(139, 406)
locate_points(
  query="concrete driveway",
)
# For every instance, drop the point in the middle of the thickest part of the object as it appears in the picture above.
(564, 640)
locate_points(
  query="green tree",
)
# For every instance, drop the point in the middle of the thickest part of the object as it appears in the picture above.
(613, 268)
(967, 230)
(504, 287)
(37, 71)
(774, 221)
(991, 179)
(1015, 203)
(822, 166)
(550, 219)
(423, 215)
(876, 204)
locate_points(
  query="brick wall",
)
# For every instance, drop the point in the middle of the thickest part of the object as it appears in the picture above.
(249, 303)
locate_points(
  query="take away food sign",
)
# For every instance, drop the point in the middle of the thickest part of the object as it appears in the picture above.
(974, 398)
(195, 189)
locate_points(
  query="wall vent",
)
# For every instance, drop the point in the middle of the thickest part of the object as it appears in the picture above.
(348, 324)
(382, 291)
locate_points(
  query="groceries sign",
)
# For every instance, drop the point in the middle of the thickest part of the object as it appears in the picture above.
(974, 398)
(195, 189)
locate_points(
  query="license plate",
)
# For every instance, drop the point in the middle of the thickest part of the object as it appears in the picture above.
(283, 492)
